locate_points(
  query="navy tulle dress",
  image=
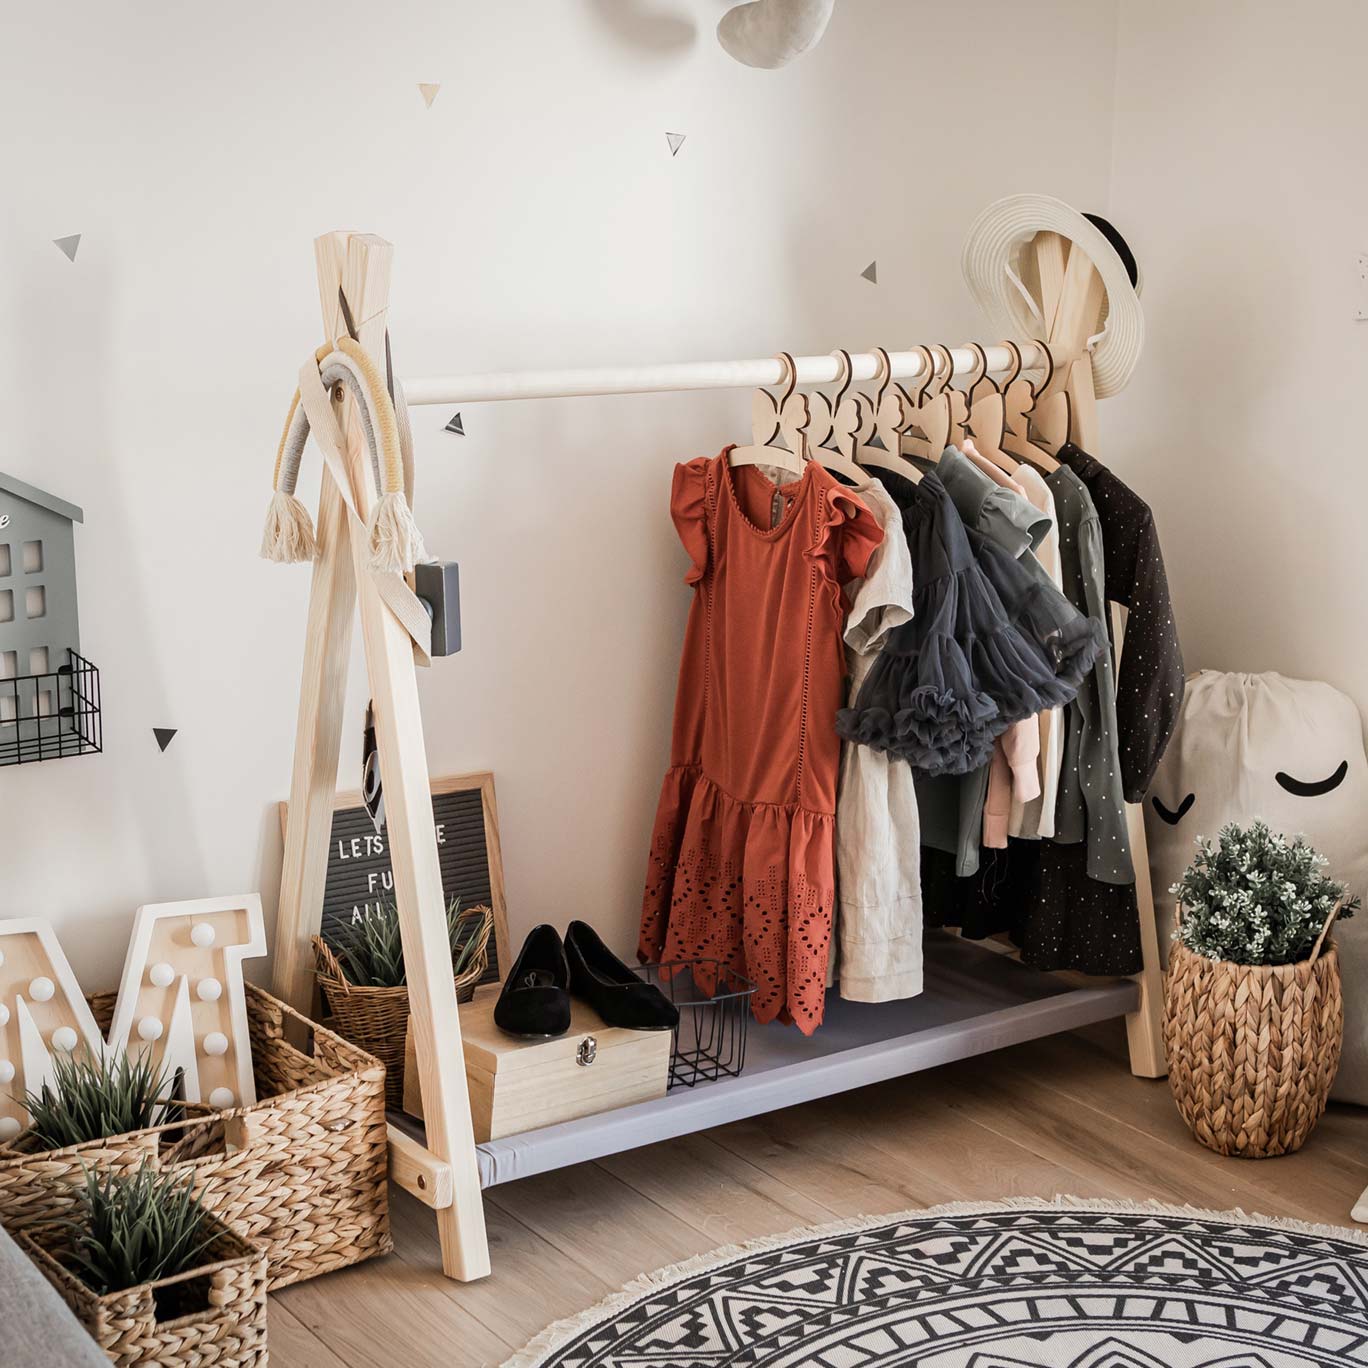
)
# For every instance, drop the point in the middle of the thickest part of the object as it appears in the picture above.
(989, 644)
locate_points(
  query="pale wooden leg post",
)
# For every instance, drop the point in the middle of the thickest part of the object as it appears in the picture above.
(360, 265)
(318, 740)
(1071, 300)
(1145, 1025)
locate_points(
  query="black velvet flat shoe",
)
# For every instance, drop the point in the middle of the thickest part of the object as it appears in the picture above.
(610, 987)
(535, 1001)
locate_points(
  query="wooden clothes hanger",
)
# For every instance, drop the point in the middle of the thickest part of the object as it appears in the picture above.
(821, 426)
(1051, 420)
(847, 418)
(785, 418)
(958, 399)
(1019, 403)
(912, 439)
(982, 385)
(880, 443)
(819, 420)
(927, 431)
(987, 417)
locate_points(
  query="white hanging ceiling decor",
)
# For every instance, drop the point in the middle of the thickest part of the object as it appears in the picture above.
(772, 33)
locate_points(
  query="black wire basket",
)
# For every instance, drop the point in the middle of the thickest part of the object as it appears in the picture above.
(51, 715)
(714, 1004)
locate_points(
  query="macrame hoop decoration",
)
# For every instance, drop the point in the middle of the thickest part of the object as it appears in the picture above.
(392, 536)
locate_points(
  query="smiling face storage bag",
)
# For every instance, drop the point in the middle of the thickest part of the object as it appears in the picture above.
(1291, 752)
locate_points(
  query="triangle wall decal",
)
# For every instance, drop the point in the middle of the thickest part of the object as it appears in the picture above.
(164, 735)
(429, 92)
(871, 273)
(68, 245)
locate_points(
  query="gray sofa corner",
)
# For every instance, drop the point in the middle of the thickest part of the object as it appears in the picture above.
(37, 1329)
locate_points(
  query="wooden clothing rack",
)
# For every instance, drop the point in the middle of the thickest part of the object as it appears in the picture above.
(444, 1168)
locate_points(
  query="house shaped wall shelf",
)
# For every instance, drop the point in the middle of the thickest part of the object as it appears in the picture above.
(49, 692)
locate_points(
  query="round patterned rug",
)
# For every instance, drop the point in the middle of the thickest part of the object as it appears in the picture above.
(1019, 1284)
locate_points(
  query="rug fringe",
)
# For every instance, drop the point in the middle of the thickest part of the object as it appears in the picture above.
(559, 1334)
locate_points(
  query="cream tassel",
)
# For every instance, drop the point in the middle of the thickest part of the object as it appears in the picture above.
(289, 534)
(396, 545)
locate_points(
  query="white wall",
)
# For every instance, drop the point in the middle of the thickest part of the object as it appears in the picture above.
(539, 220)
(1239, 180)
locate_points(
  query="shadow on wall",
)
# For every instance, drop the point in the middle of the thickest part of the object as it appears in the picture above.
(1232, 424)
(645, 27)
(117, 627)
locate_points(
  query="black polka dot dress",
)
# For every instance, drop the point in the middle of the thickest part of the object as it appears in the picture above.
(1149, 676)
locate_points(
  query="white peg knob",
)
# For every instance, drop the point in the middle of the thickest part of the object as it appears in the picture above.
(149, 1028)
(202, 934)
(41, 989)
(6, 1071)
(222, 1098)
(9, 1127)
(215, 1043)
(4, 1015)
(161, 974)
(64, 1039)
(2, 959)
(209, 990)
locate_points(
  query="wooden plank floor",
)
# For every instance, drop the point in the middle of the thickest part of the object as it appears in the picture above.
(1058, 1116)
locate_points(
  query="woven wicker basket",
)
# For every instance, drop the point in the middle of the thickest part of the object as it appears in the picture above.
(376, 1019)
(213, 1315)
(302, 1173)
(1253, 1048)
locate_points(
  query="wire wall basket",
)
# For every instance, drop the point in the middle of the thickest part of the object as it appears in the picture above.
(714, 1004)
(47, 716)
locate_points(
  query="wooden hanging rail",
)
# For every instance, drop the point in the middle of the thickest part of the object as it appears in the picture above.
(443, 1169)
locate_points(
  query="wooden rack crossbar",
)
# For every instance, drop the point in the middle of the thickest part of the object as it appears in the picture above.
(444, 1169)
(690, 375)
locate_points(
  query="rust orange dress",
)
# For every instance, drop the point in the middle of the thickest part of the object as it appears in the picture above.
(741, 864)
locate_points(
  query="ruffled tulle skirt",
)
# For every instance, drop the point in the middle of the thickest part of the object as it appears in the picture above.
(988, 645)
(749, 884)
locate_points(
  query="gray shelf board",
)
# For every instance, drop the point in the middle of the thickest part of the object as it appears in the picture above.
(976, 1000)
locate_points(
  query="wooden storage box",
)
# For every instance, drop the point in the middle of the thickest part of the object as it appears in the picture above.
(521, 1085)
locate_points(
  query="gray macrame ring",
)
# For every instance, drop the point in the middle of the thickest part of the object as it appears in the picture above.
(339, 369)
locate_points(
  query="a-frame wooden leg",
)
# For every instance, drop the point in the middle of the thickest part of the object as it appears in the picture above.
(318, 740)
(364, 263)
(1071, 301)
(360, 265)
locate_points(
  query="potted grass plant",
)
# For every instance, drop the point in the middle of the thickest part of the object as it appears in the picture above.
(302, 1170)
(93, 1095)
(1253, 1013)
(154, 1276)
(365, 987)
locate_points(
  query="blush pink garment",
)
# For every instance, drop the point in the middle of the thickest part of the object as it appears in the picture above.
(993, 472)
(1014, 771)
(1036, 817)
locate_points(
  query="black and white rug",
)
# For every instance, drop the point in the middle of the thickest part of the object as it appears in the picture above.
(1021, 1284)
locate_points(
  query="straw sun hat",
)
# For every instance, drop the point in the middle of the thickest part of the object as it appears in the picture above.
(992, 265)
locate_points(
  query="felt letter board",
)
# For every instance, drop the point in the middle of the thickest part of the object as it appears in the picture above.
(467, 828)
